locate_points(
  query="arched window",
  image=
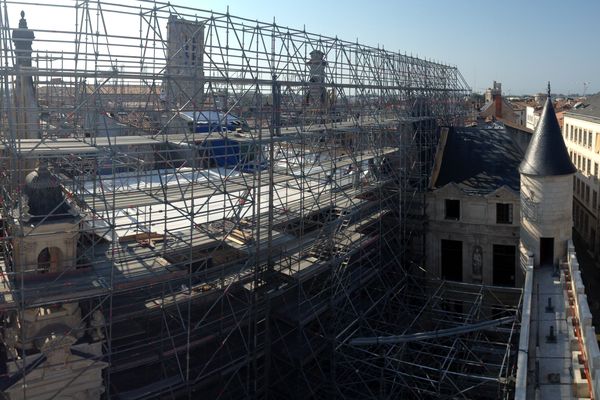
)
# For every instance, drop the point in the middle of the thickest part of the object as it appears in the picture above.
(48, 260)
(44, 261)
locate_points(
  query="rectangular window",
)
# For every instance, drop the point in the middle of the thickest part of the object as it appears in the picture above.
(587, 194)
(574, 183)
(589, 166)
(585, 137)
(504, 213)
(452, 209)
(571, 132)
(596, 170)
(590, 139)
(594, 199)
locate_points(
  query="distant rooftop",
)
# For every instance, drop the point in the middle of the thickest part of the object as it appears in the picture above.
(590, 107)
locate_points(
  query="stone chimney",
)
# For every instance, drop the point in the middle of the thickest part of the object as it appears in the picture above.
(498, 105)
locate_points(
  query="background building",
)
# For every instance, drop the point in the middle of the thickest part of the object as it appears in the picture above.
(581, 132)
(497, 107)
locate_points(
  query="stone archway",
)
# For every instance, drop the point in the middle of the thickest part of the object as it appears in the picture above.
(49, 260)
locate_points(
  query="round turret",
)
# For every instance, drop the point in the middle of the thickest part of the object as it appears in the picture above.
(546, 192)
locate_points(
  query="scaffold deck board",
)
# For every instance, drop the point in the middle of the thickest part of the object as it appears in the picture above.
(186, 191)
(48, 147)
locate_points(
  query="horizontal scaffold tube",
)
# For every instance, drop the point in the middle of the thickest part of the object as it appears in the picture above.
(413, 337)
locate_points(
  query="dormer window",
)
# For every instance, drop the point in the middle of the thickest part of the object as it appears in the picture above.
(452, 209)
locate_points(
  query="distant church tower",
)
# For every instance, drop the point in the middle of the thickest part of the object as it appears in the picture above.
(546, 192)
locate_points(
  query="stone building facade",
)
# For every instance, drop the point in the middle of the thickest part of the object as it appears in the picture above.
(495, 203)
(581, 134)
(473, 207)
(483, 237)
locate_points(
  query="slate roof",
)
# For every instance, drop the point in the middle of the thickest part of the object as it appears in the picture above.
(590, 108)
(547, 154)
(479, 160)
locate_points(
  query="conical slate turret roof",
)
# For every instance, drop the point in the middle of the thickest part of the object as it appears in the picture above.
(547, 154)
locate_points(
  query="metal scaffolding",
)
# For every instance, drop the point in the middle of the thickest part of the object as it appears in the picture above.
(194, 202)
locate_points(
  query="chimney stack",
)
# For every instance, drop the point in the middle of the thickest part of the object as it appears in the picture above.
(498, 105)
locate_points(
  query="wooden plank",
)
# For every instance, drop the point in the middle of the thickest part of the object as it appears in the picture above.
(156, 237)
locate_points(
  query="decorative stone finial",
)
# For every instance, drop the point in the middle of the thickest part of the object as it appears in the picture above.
(548, 88)
(23, 21)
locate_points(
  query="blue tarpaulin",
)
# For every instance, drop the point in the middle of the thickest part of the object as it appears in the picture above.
(212, 121)
(229, 153)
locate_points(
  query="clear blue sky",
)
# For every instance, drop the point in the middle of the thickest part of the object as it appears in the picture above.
(521, 43)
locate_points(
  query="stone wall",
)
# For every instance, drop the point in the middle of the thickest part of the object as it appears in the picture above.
(582, 333)
(546, 212)
(477, 229)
